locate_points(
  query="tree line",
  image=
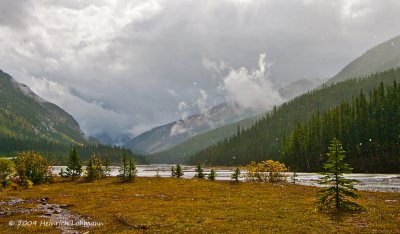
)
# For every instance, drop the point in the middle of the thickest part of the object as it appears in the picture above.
(368, 127)
(55, 151)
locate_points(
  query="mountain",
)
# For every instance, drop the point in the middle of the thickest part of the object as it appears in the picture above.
(28, 122)
(180, 152)
(167, 136)
(265, 139)
(220, 121)
(25, 114)
(380, 58)
(201, 141)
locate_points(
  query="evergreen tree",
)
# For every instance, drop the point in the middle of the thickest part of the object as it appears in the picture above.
(178, 172)
(98, 168)
(74, 165)
(212, 175)
(199, 171)
(131, 171)
(335, 195)
(107, 163)
(368, 127)
(124, 168)
(90, 171)
(235, 175)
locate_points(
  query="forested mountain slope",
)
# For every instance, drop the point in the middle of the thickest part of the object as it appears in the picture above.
(24, 114)
(265, 139)
(368, 127)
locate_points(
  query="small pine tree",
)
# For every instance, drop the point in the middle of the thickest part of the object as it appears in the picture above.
(334, 197)
(107, 163)
(235, 175)
(131, 171)
(90, 171)
(124, 168)
(98, 168)
(74, 165)
(199, 171)
(212, 175)
(178, 172)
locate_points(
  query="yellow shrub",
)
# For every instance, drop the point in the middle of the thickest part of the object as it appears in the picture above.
(266, 171)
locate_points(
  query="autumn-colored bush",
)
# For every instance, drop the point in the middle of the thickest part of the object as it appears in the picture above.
(32, 168)
(266, 171)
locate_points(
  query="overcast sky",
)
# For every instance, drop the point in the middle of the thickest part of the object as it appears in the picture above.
(121, 66)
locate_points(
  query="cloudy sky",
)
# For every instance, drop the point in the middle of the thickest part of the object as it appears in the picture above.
(123, 66)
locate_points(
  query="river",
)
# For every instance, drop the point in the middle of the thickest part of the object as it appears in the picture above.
(369, 182)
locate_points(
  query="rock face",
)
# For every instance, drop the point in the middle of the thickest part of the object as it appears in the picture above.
(26, 115)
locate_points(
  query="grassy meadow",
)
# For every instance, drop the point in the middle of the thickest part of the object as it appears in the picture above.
(166, 205)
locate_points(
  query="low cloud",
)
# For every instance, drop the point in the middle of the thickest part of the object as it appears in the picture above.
(54, 92)
(199, 106)
(242, 88)
(251, 89)
(124, 66)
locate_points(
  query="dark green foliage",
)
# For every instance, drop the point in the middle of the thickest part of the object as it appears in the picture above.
(335, 196)
(199, 171)
(267, 138)
(107, 163)
(131, 171)
(177, 172)
(369, 128)
(212, 175)
(55, 151)
(236, 175)
(74, 166)
(127, 170)
(90, 172)
(124, 168)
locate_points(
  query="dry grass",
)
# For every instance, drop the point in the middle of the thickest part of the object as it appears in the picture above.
(166, 205)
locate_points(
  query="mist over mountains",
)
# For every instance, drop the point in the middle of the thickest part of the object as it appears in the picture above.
(124, 67)
(166, 136)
